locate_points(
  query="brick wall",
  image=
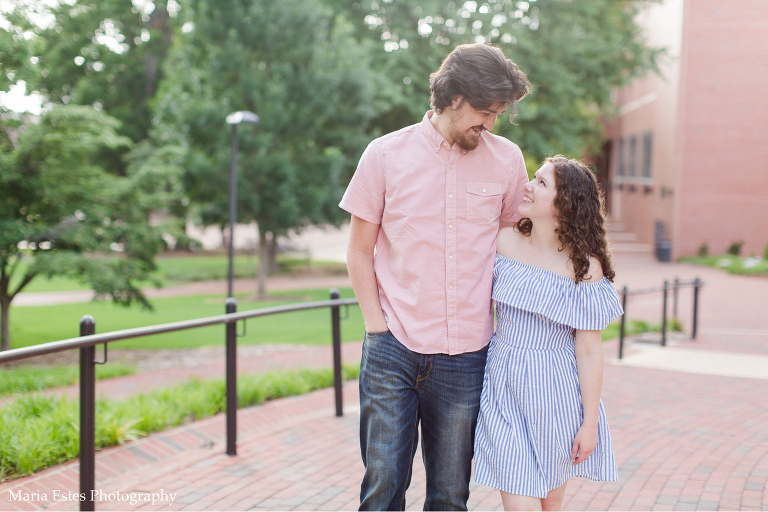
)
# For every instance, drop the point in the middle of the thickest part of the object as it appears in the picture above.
(708, 114)
(723, 182)
(650, 105)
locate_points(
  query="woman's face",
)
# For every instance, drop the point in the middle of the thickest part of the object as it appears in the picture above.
(539, 195)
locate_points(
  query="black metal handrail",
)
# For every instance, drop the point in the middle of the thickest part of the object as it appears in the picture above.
(88, 340)
(677, 284)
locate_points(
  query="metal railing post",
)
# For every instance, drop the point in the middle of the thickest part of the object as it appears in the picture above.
(231, 355)
(336, 333)
(664, 316)
(674, 298)
(87, 416)
(696, 285)
(624, 294)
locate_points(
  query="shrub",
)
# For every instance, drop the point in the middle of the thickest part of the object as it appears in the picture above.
(735, 248)
(704, 249)
(39, 431)
(765, 252)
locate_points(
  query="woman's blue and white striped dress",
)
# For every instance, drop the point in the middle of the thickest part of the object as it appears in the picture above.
(531, 409)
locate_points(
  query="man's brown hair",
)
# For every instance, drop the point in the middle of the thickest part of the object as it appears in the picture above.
(482, 75)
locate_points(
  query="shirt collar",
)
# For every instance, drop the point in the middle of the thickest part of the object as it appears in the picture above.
(433, 135)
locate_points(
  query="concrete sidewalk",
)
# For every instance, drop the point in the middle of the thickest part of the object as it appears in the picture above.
(683, 441)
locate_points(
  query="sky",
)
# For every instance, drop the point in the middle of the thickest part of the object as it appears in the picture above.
(17, 99)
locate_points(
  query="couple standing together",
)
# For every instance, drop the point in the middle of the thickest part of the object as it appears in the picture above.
(444, 223)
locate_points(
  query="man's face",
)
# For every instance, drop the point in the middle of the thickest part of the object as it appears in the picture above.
(467, 123)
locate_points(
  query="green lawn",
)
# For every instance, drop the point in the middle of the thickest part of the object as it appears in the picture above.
(180, 268)
(33, 378)
(55, 284)
(633, 327)
(751, 266)
(31, 325)
(170, 268)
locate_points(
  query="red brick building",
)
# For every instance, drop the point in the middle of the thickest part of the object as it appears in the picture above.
(687, 158)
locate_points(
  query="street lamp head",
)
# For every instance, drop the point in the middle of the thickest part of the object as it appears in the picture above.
(242, 117)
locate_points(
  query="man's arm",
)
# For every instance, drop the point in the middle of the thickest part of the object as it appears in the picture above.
(514, 194)
(362, 240)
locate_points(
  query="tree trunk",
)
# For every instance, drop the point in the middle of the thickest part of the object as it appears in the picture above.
(261, 292)
(5, 304)
(273, 254)
(5, 328)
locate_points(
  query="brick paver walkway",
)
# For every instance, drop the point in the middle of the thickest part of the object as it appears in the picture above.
(683, 441)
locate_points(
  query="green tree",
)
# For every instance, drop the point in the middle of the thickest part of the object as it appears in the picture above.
(301, 70)
(62, 213)
(574, 52)
(16, 50)
(107, 54)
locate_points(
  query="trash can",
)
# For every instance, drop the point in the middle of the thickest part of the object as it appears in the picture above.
(664, 250)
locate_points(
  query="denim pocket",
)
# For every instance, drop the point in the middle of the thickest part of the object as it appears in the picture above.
(483, 202)
(379, 333)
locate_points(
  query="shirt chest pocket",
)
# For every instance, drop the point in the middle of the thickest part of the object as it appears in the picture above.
(483, 202)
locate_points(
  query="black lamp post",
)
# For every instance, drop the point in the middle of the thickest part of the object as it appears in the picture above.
(234, 119)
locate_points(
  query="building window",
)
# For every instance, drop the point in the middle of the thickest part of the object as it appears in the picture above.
(620, 156)
(647, 154)
(632, 157)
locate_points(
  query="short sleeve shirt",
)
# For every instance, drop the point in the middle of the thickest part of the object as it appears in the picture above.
(438, 209)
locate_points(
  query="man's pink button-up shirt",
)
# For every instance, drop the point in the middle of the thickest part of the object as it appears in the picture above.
(438, 210)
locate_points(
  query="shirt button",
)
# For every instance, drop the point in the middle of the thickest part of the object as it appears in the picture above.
(450, 195)
(450, 256)
(451, 167)
(437, 149)
(483, 190)
(450, 287)
(450, 317)
(450, 226)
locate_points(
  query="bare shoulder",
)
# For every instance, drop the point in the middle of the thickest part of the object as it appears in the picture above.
(507, 242)
(595, 272)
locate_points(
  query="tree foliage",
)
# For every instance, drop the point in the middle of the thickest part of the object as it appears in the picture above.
(295, 65)
(574, 52)
(76, 192)
(325, 76)
(62, 213)
(106, 53)
(16, 50)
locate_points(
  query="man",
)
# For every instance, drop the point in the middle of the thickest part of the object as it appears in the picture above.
(429, 199)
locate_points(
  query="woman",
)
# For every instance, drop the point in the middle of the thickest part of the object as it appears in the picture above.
(541, 420)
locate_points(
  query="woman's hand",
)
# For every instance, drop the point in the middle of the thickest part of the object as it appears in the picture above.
(584, 443)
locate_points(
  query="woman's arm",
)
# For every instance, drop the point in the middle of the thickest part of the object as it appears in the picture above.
(589, 363)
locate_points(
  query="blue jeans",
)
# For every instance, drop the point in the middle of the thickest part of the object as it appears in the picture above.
(400, 388)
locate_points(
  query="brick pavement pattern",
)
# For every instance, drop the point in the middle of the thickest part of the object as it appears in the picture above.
(683, 441)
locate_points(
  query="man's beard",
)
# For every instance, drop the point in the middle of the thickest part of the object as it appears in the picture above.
(466, 139)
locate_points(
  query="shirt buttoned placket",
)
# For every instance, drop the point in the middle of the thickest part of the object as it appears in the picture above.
(451, 256)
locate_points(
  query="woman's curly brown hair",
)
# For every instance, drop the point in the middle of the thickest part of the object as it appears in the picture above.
(581, 218)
